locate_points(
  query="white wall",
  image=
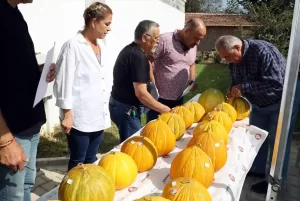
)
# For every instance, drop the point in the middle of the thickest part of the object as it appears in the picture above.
(52, 21)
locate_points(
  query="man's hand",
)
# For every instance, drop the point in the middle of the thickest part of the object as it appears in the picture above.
(51, 74)
(165, 109)
(228, 95)
(13, 156)
(236, 91)
(195, 87)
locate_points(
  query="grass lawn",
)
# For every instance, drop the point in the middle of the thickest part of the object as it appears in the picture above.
(210, 75)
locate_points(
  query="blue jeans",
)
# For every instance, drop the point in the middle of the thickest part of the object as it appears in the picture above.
(83, 147)
(127, 124)
(291, 131)
(16, 186)
(265, 118)
(152, 114)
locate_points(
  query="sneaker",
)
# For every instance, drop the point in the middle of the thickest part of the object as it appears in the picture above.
(260, 188)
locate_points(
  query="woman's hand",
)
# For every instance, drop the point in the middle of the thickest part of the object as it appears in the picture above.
(67, 124)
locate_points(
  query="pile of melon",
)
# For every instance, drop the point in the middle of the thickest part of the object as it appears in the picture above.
(192, 170)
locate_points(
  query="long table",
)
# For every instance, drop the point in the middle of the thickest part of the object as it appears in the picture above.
(244, 142)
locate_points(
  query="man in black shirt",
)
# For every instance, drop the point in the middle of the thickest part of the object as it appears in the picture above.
(20, 123)
(130, 91)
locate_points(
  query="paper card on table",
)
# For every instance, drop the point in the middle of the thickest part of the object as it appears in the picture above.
(42, 87)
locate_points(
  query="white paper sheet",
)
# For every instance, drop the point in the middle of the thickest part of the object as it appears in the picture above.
(43, 84)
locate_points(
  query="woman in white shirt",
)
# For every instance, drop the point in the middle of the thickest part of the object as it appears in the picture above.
(81, 86)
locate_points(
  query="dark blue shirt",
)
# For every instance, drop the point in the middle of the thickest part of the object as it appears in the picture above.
(260, 73)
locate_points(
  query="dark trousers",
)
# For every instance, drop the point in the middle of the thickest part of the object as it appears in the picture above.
(265, 118)
(83, 146)
(127, 123)
(152, 114)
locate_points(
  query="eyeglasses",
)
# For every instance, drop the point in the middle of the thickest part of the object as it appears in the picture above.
(155, 39)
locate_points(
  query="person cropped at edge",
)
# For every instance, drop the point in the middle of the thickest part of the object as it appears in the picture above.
(81, 86)
(20, 123)
(131, 75)
(257, 70)
(174, 63)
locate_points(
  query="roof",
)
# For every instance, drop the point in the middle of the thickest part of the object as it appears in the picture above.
(221, 19)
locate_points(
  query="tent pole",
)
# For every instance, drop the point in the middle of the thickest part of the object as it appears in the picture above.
(283, 125)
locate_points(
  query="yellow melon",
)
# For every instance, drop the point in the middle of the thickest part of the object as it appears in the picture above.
(197, 110)
(175, 122)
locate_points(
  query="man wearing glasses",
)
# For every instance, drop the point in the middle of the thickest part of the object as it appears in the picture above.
(131, 81)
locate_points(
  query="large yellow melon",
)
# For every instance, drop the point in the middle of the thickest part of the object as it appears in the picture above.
(175, 122)
(241, 106)
(152, 198)
(221, 117)
(122, 168)
(161, 135)
(195, 163)
(210, 98)
(142, 150)
(87, 182)
(185, 189)
(228, 109)
(214, 126)
(186, 114)
(197, 110)
(213, 146)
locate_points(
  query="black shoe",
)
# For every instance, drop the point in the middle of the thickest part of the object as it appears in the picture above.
(260, 188)
(252, 174)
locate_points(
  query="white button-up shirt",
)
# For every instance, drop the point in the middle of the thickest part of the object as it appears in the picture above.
(83, 85)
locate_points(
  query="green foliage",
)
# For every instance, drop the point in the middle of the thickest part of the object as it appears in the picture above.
(274, 24)
(206, 6)
(233, 7)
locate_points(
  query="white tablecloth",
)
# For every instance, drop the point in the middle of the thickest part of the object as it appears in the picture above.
(244, 143)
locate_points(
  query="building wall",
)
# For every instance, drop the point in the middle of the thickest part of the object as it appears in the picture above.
(58, 20)
(213, 33)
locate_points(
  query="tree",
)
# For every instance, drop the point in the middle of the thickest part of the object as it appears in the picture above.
(192, 6)
(233, 7)
(282, 4)
(274, 24)
(205, 6)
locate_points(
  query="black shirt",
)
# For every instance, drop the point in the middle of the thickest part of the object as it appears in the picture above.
(19, 74)
(132, 65)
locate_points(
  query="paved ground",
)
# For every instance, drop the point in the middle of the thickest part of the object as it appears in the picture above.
(50, 177)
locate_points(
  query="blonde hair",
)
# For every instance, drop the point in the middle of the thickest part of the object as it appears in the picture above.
(96, 10)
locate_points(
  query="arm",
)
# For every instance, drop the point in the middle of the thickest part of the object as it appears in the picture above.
(145, 97)
(65, 70)
(271, 76)
(140, 68)
(5, 134)
(193, 72)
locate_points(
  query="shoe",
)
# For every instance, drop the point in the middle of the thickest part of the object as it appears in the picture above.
(256, 175)
(260, 188)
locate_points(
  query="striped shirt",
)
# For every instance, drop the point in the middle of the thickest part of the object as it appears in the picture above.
(260, 73)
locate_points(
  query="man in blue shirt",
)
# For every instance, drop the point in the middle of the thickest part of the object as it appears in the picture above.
(257, 70)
